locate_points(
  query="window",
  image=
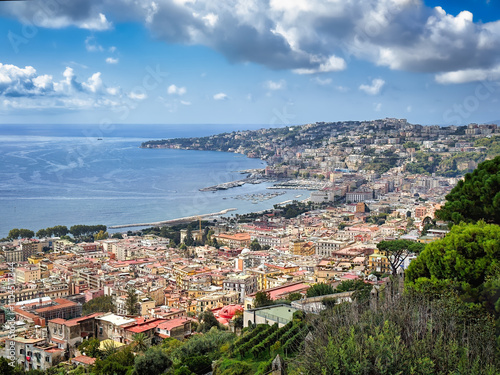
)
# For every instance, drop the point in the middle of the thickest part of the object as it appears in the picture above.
(21, 351)
(47, 359)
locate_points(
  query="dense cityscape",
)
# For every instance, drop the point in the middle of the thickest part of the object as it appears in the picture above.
(81, 297)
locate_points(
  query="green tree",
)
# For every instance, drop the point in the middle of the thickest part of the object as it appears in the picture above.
(465, 262)
(188, 240)
(109, 349)
(90, 348)
(99, 304)
(154, 361)
(26, 233)
(263, 299)
(361, 289)
(466, 257)
(101, 235)
(131, 302)
(139, 342)
(476, 197)
(117, 236)
(199, 364)
(397, 251)
(291, 213)
(320, 289)
(255, 245)
(59, 230)
(183, 370)
(208, 321)
(42, 233)
(112, 368)
(238, 319)
(13, 234)
(170, 344)
(413, 335)
(411, 145)
(208, 344)
(294, 297)
(5, 367)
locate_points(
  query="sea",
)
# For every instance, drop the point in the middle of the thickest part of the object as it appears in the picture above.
(98, 174)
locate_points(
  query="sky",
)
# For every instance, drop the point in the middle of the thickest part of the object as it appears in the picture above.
(269, 62)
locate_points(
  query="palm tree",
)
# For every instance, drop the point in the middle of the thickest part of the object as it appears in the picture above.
(109, 349)
(139, 344)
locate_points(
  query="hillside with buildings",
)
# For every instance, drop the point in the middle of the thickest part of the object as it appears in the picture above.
(374, 147)
(85, 300)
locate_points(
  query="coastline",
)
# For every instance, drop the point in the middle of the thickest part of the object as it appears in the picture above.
(174, 221)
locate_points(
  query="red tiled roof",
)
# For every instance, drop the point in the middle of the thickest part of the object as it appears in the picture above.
(170, 324)
(59, 341)
(53, 350)
(84, 359)
(57, 321)
(275, 294)
(145, 327)
(61, 302)
(278, 291)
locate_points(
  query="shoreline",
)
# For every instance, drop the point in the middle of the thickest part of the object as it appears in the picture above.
(173, 221)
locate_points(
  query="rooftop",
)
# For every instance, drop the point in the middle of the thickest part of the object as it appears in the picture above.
(84, 359)
(116, 320)
(284, 312)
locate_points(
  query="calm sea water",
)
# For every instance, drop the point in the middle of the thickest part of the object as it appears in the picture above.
(51, 175)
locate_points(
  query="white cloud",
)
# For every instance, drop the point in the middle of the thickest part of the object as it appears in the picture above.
(374, 88)
(112, 49)
(409, 109)
(469, 75)
(44, 82)
(175, 90)
(137, 95)
(183, 102)
(92, 46)
(377, 107)
(113, 90)
(307, 37)
(272, 85)
(211, 19)
(94, 83)
(332, 64)
(111, 60)
(220, 96)
(342, 88)
(24, 88)
(322, 82)
(98, 23)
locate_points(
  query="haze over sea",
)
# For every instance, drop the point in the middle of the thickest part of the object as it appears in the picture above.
(65, 175)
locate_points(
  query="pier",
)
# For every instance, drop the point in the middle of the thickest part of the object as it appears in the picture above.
(175, 221)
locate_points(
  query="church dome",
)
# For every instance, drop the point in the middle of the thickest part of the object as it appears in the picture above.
(229, 311)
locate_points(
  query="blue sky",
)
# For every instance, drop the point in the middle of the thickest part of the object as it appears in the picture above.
(273, 62)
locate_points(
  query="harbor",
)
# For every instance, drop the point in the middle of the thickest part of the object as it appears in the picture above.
(254, 177)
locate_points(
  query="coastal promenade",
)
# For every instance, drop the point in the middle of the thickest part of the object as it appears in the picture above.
(175, 221)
